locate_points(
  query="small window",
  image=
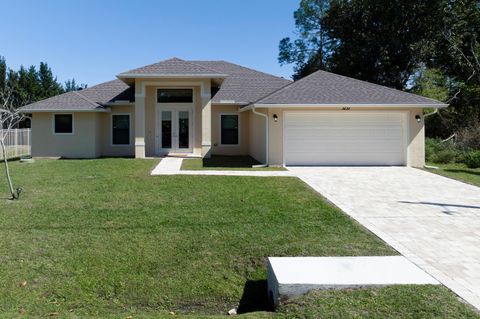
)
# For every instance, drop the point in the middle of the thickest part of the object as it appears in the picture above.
(120, 129)
(63, 124)
(229, 129)
(175, 96)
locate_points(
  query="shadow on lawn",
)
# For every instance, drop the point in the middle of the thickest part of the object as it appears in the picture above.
(229, 161)
(255, 297)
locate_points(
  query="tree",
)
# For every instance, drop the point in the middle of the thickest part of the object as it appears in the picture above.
(309, 52)
(3, 73)
(49, 85)
(28, 85)
(10, 117)
(431, 47)
(71, 85)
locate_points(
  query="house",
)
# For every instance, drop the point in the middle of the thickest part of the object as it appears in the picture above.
(200, 108)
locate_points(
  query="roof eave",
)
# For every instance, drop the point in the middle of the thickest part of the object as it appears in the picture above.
(343, 105)
(65, 110)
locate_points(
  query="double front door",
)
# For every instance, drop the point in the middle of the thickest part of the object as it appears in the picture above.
(174, 131)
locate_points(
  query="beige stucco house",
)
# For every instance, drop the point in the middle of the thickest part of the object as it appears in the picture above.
(204, 108)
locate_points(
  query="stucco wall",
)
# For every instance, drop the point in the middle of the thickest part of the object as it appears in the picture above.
(257, 137)
(105, 132)
(81, 144)
(242, 148)
(416, 139)
(150, 113)
(415, 134)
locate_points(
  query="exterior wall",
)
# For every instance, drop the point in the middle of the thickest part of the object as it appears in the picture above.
(415, 134)
(416, 139)
(150, 110)
(243, 147)
(105, 132)
(81, 144)
(257, 136)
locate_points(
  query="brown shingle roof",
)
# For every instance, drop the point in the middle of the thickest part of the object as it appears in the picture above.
(173, 66)
(243, 85)
(89, 99)
(323, 87)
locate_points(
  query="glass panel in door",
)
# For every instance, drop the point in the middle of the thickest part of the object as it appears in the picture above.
(183, 129)
(166, 129)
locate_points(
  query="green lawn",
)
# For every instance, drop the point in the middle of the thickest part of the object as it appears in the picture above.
(389, 302)
(103, 238)
(458, 171)
(217, 162)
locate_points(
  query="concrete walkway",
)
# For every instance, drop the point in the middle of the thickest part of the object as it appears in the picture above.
(172, 166)
(432, 220)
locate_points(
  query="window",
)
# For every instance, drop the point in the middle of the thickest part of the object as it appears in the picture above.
(63, 124)
(229, 129)
(121, 129)
(175, 96)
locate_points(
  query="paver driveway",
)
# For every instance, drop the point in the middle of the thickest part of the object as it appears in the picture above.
(432, 220)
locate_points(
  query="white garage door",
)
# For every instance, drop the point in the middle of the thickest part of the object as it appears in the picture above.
(344, 138)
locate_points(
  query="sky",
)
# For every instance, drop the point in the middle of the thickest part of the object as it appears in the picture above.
(93, 40)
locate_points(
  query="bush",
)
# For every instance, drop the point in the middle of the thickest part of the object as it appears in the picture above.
(440, 152)
(468, 138)
(472, 159)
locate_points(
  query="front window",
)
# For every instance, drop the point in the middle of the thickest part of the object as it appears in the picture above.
(229, 129)
(120, 129)
(175, 96)
(63, 124)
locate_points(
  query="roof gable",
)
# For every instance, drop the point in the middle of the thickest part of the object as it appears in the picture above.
(327, 88)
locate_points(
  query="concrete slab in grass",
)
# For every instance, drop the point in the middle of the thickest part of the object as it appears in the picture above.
(292, 276)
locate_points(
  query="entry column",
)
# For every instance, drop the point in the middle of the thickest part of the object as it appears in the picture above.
(139, 121)
(206, 120)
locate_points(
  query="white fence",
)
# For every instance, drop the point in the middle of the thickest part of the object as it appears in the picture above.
(17, 142)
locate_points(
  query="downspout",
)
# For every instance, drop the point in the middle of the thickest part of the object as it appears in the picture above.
(266, 136)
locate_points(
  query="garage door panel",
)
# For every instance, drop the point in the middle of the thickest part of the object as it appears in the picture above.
(322, 138)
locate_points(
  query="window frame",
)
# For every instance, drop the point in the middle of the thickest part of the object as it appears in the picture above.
(129, 130)
(60, 133)
(174, 88)
(220, 129)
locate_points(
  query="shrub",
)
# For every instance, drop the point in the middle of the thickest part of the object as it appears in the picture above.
(472, 159)
(440, 152)
(469, 137)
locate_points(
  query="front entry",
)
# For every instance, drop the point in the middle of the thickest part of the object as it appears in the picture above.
(174, 131)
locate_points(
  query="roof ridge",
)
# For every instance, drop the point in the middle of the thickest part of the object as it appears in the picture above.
(86, 98)
(203, 67)
(246, 68)
(284, 87)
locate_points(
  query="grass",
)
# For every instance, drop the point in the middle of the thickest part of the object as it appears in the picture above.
(217, 162)
(102, 238)
(407, 301)
(459, 172)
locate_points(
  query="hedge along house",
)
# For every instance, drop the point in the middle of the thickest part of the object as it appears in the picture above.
(200, 108)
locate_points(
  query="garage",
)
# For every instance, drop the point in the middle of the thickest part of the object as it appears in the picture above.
(344, 138)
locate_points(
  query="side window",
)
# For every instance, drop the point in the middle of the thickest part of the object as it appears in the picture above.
(229, 129)
(120, 129)
(63, 123)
